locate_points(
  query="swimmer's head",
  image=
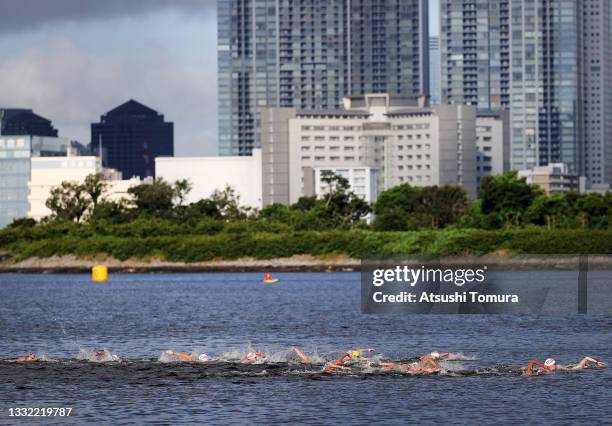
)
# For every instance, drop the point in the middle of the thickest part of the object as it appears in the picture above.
(251, 356)
(203, 357)
(435, 355)
(550, 363)
(355, 353)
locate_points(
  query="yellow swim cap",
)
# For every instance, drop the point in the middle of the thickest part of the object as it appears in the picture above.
(355, 353)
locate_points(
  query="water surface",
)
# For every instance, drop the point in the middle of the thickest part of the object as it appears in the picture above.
(138, 316)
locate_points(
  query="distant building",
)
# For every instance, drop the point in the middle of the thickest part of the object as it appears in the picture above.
(308, 54)
(475, 52)
(435, 73)
(23, 122)
(49, 172)
(550, 62)
(207, 174)
(398, 139)
(553, 178)
(492, 143)
(16, 154)
(131, 136)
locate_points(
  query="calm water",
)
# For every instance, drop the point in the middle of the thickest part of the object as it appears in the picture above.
(138, 316)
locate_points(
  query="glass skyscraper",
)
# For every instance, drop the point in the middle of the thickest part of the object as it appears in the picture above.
(475, 53)
(546, 60)
(308, 54)
(129, 137)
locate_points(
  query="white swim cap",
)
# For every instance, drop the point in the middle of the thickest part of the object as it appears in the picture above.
(435, 355)
(203, 357)
(550, 362)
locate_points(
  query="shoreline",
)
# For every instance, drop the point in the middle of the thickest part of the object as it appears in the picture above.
(299, 263)
(72, 265)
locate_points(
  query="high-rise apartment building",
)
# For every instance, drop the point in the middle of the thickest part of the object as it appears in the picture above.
(435, 73)
(475, 52)
(549, 62)
(308, 54)
(129, 138)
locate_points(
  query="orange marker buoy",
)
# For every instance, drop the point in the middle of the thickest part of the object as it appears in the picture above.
(268, 279)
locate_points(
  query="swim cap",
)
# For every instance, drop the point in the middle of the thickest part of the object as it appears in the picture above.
(203, 357)
(435, 355)
(251, 355)
(355, 353)
(550, 362)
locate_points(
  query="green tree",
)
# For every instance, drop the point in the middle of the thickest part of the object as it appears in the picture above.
(405, 207)
(69, 201)
(227, 202)
(507, 197)
(342, 206)
(546, 209)
(95, 187)
(153, 198)
(444, 205)
(112, 211)
(181, 189)
(305, 203)
(276, 213)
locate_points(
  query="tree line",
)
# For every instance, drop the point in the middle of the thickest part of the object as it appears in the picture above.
(503, 201)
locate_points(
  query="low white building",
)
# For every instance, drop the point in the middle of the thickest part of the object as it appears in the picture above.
(207, 174)
(49, 172)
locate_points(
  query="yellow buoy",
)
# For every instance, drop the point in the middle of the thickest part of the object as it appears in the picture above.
(99, 273)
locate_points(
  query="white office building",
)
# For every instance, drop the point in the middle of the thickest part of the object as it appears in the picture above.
(207, 174)
(49, 172)
(400, 139)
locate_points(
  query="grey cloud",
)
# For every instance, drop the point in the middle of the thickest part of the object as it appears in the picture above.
(20, 15)
(73, 87)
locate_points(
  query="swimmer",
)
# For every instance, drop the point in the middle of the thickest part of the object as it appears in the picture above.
(426, 365)
(184, 356)
(339, 363)
(303, 358)
(550, 366)
(252, 357)
(28, 358)
(435, 356)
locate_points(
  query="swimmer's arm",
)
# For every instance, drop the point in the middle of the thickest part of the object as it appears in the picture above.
(333, 367)
(184, 356)
(365, 350)
(534, 363)
(301, 354)
(342, 358)
(585, 362)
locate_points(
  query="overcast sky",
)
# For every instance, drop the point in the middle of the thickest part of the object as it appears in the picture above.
(73, 60)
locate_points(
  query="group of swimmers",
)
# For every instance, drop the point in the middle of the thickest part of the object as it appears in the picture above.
(354, 359)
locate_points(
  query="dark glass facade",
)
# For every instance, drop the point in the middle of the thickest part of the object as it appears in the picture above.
(23, 122)
(131, 137)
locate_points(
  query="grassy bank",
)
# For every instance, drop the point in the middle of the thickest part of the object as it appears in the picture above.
(177, 245)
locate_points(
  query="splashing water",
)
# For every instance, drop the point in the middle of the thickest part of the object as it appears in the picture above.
(97, 356)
